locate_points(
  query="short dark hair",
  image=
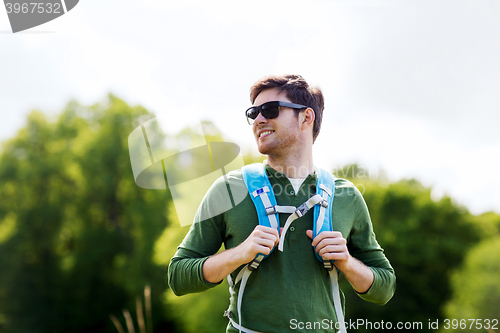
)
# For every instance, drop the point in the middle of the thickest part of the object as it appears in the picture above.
(297, 91)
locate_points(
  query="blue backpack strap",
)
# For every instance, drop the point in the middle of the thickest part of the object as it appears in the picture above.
(260, 190)
(325, 187)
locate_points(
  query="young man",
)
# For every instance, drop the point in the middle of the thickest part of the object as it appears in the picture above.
(292, 286)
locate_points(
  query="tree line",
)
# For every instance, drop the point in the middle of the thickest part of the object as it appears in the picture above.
(84, 249)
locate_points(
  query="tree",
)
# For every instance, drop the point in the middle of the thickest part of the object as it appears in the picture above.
(424, 240)
(476, 288)
(81, 233)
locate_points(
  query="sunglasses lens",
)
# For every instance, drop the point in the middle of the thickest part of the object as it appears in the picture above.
(270, 110)
(251, 114)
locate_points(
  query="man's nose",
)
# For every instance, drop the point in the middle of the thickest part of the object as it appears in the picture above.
(260, 119)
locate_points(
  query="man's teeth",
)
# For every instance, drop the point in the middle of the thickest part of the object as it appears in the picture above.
(265, 133)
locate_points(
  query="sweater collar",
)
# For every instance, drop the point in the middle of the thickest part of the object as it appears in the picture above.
(279, 175)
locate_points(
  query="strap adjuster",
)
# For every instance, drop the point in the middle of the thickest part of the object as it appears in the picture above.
(271, 210)
(256, 262)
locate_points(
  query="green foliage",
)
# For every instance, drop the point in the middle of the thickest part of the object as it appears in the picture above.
(249, 158)
(488, 224)
(201, 312)
(424, 240)
(476, 285)
(80, 232)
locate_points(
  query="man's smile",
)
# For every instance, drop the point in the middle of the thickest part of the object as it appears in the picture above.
(265, 133)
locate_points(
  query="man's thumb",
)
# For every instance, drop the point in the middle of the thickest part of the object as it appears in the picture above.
(309, 233)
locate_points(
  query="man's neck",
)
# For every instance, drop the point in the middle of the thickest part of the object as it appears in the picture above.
(292, 166)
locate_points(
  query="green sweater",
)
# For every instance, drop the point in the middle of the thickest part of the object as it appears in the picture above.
(290, 286)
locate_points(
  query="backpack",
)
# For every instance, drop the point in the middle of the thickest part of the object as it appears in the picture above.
(262, 195)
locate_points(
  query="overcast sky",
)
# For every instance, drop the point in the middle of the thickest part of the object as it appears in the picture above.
(411, 87)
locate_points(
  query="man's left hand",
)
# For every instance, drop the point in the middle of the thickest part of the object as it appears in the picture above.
(331, 246)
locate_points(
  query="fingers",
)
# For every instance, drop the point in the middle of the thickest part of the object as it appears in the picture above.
(322, 235)
(333, 252)
(330, 245)
(326, 236)
(261, 240)
(267, 233)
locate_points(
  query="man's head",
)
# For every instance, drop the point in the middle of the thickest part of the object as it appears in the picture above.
(297, 91)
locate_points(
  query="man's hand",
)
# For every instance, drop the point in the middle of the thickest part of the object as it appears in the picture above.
(331, 245)
(261, 240)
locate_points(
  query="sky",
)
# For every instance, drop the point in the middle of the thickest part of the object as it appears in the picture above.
(410, 86)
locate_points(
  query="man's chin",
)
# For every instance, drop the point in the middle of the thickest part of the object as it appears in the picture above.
(266, 150)
(263, 150)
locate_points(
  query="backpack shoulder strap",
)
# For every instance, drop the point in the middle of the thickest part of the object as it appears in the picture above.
(325, 186)
(261, 192)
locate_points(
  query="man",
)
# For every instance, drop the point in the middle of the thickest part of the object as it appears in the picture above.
(289, 287)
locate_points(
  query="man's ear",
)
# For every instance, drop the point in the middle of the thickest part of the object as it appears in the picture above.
(308, 118)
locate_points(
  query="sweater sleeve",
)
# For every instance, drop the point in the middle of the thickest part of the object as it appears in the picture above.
(364, 246)
(185, 272)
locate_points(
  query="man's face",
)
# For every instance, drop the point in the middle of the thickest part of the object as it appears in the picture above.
(276, 136)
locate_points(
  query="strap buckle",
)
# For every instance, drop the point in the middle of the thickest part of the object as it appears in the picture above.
(301, 210)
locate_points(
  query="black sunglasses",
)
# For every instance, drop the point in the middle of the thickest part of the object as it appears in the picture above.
(269, 110)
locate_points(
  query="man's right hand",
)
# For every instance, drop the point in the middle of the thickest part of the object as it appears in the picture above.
(261, 240)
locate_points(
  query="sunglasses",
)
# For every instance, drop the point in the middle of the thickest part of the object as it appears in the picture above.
(269, 110)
